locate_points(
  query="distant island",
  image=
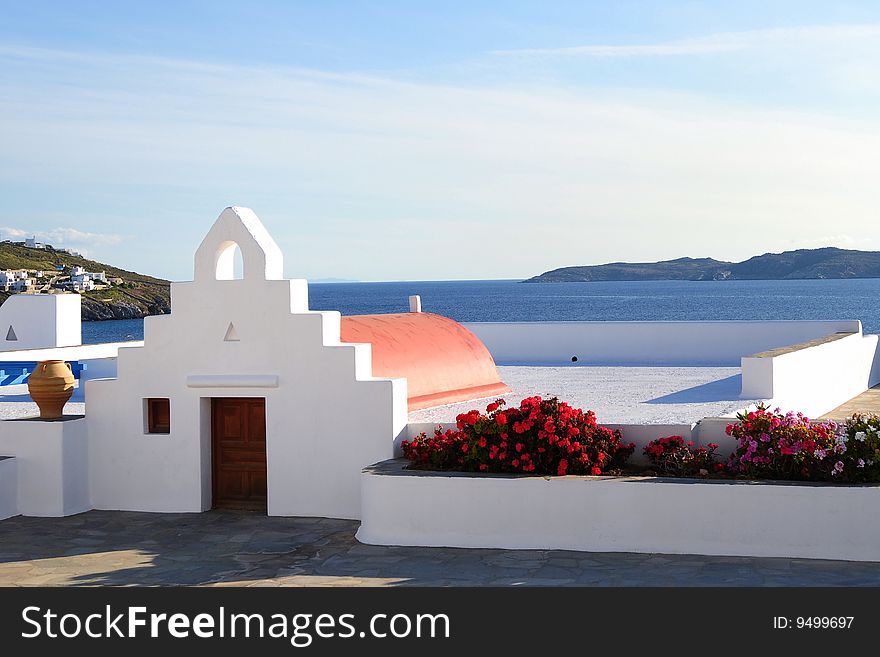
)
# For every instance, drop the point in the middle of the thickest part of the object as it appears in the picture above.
(802, 264)
(108, 292)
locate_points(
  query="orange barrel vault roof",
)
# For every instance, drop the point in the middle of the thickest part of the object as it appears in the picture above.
(442, 361)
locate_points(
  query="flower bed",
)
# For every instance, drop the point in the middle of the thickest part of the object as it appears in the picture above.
(541, 436)
(442, 497)
(773, 445)
(549, 437)
(673, 457)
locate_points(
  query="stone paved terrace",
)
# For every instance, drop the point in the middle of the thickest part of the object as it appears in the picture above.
(241, 549)
(867, 402)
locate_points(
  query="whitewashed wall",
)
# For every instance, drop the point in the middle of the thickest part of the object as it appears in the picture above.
(51, 460)
(326, 416)
(8, 487)
(620, 515)
(645, 343)
(40, 320)
(102, 354)
(816, 379)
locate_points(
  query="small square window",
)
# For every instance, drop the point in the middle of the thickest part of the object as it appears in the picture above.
(158, 415)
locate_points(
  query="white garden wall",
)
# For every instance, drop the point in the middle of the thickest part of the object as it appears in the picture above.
(645, 343)
(815, 379)
(51, 460)
(83, 353)
(605, 514)
(8, 487)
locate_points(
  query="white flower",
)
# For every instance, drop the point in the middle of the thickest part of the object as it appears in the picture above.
(861, 463)
(860, 436)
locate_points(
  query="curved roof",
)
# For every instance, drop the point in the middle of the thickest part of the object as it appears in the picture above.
(442, 361)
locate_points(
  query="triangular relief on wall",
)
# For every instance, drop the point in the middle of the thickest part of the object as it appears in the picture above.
(231, 334)
(10, 334)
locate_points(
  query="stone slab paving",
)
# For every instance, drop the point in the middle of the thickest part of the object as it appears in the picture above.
(225, 548)
(867, 402)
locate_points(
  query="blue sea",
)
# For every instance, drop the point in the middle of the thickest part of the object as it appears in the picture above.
(514, 301)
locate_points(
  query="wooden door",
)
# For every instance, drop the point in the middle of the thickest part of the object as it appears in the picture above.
(238, 428)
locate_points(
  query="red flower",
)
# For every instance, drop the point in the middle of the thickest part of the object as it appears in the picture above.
(545, 430)
(596, 471)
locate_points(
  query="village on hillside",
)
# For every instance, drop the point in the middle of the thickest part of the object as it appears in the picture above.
(62, 279)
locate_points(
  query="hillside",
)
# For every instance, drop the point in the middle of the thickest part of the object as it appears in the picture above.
(138, 296)
(826, 263)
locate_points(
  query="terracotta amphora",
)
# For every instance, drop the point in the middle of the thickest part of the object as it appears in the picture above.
(50, 386)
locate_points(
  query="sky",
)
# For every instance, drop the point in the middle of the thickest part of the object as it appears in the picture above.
(441, 140)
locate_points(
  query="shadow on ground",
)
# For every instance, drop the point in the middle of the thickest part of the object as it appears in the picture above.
(242, 549)
(727, 389)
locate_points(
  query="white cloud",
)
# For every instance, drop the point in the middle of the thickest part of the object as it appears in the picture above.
(843, 241)
(64, 237)
(713, 43)
(363, 177)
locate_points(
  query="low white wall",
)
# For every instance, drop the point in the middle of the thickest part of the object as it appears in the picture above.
(52, 465)
(816, 379)
(85, 352)
(600, 514)
(662, 343)
(8, 488)
(97, 368)
(714, 430)
(642, 434)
